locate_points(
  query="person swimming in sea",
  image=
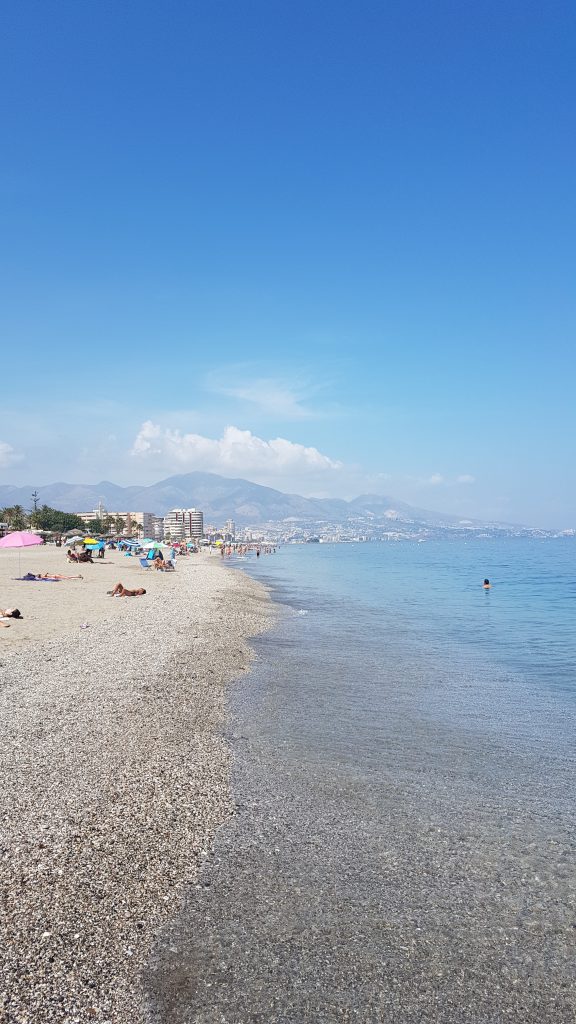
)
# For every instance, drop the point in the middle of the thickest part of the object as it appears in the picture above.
(487, 585)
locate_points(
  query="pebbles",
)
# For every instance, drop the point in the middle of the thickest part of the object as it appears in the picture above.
(115, 776)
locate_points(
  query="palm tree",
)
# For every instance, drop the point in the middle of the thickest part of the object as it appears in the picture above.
(108, 524)
(15, 516)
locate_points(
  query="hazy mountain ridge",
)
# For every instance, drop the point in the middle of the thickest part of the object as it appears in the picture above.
(222, 497)
(216, 495)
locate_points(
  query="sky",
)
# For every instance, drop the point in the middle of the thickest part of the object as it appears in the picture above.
(326, 246)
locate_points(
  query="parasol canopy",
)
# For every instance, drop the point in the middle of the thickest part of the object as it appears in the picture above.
(20, 539)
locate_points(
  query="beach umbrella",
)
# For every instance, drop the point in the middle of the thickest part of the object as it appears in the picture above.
(20, 539)
(72, 540)
(150, 544)
(90, 540)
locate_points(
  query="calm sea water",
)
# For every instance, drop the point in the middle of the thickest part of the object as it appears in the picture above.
(405, 774)
(431, 596)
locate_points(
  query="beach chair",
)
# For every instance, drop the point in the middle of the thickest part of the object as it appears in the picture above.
(145, 563)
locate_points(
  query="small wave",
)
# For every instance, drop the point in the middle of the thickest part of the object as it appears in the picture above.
(302, 611)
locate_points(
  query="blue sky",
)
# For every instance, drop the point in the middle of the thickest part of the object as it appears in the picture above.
(325, 246)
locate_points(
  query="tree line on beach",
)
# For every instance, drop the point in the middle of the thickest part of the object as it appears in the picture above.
(55, 521)
(44, 518)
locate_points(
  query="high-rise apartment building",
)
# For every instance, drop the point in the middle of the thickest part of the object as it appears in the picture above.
(184, 523)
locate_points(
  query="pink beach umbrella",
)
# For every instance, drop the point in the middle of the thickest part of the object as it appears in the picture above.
(20, 539)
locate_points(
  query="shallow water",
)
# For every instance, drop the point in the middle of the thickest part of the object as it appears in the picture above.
(404, 847)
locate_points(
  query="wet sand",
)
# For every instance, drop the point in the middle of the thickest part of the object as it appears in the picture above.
(115, 773)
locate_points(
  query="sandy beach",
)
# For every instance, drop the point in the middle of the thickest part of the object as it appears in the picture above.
(115, 773)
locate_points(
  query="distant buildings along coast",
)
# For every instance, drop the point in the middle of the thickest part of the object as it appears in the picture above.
(178, 524)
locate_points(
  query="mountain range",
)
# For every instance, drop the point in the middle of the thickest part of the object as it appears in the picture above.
(221, 498)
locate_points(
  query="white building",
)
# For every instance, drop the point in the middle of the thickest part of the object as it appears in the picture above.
(229, 529)
(144, 521)
(183, 524)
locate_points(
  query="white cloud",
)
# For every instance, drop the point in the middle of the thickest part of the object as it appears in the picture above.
(435, 479)
(8, 455)
(272, 397)
(465, 478)
(237, 452)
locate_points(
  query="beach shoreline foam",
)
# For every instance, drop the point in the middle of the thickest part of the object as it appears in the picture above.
(115, 770)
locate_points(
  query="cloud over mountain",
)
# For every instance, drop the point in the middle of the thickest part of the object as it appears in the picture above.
(237, 451)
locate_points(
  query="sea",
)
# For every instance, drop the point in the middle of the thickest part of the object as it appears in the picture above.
(404, 844)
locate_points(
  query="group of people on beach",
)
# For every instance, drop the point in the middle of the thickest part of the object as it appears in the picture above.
(80, 556)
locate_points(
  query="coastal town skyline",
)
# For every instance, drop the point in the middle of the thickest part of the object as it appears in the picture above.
(271, 512)
(329, 251)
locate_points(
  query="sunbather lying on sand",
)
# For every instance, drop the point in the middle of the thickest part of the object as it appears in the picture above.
(49, 576)
(121, 591)
(9, 613)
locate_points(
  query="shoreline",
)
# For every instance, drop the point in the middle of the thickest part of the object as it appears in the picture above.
(388, 860)
(116, 774)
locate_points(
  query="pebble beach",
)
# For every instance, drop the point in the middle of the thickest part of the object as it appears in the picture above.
(115, 770)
